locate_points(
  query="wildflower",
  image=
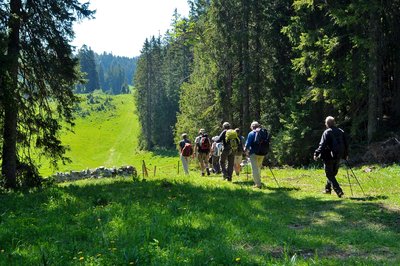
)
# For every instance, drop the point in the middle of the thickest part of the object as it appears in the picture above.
(237, 259)
(81, 258)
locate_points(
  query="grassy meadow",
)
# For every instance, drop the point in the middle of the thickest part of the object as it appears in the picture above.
(105, 134)
(171, 219)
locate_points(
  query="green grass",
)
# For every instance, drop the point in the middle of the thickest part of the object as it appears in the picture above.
(107, 138)
(194, 220)
(171, 219)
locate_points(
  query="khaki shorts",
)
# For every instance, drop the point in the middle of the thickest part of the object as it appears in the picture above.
(238, 159)
(202, 156)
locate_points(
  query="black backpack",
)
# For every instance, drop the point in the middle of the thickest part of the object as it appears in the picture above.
(262, 140)
(337, 147)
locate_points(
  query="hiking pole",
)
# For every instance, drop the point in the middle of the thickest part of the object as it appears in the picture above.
(348, 178)
(354, 175)
(269, 166)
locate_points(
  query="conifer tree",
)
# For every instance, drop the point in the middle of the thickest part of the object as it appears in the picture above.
(37, 78)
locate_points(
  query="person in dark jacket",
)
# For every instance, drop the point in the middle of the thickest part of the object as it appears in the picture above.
(227, 155)
(332, 147)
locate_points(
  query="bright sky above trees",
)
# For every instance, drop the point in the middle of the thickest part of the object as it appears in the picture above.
(121, 26)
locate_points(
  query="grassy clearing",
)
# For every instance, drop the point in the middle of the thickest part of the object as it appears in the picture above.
(171, 219)
(105, 134)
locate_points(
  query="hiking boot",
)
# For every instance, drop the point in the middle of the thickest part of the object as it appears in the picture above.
(340, 194)
(202, 174)
(208, 171)
(327, 191)
(256, 186)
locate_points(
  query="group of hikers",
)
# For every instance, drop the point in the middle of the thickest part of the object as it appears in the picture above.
(225, 153)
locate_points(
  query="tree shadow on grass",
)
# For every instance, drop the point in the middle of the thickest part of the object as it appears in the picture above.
(176, 222)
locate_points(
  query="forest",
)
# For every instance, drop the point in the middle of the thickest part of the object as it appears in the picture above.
(287, 64)
(107, 72)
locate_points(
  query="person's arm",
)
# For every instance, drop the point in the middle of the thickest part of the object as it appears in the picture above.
(221, 137)
(322, 145)
(249, 142)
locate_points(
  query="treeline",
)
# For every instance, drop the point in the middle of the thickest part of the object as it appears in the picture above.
(107, 72)
(287, 64)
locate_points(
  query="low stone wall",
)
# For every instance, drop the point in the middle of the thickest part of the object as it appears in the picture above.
(100, 172)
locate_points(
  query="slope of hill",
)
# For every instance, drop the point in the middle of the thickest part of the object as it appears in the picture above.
(106, 134)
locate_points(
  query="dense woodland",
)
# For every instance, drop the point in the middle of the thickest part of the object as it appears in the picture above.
(107, 72)
(287, 64)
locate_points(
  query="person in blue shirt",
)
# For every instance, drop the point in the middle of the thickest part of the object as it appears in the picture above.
(255, 160)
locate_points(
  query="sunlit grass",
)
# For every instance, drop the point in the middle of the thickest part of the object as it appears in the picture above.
(173, 219)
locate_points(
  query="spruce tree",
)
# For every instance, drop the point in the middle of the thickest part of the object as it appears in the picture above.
(37, 78)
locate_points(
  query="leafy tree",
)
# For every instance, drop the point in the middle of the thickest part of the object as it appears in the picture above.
(38, 76)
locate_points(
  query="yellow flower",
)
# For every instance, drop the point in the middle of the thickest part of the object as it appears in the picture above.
(81, 258)
(237, 259)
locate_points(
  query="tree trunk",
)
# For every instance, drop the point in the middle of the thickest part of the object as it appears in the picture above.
(245, 73)
(9, 163)
(374, 89)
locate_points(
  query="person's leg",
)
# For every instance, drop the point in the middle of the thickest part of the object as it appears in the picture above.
(222, 163)
(259, 159)
(236, 164)
(185, 164)
(331, 169)
(231, 158)
(201, 162)
(206, 159)
(255, 170)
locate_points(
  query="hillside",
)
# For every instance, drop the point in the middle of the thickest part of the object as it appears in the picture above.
(105, 134)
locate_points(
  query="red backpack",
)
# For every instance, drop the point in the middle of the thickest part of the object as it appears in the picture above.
(187, 150)
(205, 144)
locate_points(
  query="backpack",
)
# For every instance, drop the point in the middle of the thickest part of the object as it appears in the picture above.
(232, 139)
(261, 141)
(205, 144)
(187, 150)
(217, 149)
(337, 149)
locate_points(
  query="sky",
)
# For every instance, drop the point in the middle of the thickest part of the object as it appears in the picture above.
(121, 26)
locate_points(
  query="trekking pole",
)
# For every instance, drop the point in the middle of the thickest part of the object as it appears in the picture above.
(348, 178)
(269, 166)
(355, 177)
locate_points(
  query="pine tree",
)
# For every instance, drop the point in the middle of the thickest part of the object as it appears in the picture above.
(39, 69)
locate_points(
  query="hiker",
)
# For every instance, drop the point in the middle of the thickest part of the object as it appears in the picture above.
(228, 138)
(202, 150)
(216, 149)
(332, 147)
(239, 153)
(253, 150)
(186, 150)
